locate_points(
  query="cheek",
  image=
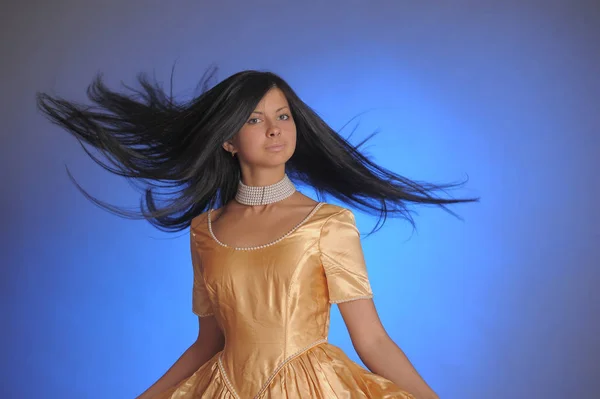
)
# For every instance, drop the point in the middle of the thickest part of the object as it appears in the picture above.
(248, 139)
(244, 136)
(291, 139)
(291, 131)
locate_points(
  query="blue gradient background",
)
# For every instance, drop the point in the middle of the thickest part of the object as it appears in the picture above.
(502, 305)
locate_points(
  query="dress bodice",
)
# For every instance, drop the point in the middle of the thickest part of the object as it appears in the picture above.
(273, 301)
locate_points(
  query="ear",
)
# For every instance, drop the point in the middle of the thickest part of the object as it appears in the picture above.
(228, 146)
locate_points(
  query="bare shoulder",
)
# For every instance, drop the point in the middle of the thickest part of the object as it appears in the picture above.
(300, 201)
(290, 210)
(297, 207)
(198, 220)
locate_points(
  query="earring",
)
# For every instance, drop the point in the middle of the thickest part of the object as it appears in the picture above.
(232, 154)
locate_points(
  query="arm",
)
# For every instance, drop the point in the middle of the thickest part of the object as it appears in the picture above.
(377, 350)
(210, 341)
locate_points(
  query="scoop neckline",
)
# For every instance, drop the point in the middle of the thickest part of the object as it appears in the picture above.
(302, 222)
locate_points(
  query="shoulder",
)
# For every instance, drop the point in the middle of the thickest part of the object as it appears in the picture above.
(199, 223)
(332, 211)
(335, 216)
(337, 228)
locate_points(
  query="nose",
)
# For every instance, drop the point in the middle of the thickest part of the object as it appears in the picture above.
(274, 131)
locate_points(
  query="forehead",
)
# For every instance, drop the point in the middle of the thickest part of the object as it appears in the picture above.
(273, 99)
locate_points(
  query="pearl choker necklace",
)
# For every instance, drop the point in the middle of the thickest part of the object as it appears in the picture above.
(252, 195)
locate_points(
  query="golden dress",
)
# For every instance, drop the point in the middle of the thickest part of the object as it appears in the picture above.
(272, 303)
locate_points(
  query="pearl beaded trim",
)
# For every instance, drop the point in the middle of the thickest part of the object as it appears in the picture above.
(226, 379)
(252, 195)
(273, 374)
(210, 230)
(205, 314)
(352, 299)
(286, 361)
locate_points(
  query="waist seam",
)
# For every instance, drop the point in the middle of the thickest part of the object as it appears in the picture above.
(273, 374)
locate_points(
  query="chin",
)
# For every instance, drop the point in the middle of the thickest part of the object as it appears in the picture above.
(275, 160)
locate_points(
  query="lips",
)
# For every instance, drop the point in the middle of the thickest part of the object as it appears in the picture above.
(276, 147)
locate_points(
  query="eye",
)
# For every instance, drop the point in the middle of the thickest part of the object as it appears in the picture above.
(253, 121)
(284, 117)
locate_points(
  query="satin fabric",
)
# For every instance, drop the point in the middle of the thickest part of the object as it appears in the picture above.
(273, 304)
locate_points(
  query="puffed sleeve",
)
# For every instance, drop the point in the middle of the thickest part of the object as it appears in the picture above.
(201, 305)
(343, 260)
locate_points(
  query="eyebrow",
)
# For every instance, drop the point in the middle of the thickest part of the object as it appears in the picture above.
(258, 112)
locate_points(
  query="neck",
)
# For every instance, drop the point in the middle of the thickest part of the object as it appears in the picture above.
(266, 194)
(261, 177)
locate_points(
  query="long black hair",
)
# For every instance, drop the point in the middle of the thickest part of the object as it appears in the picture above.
(173, 150)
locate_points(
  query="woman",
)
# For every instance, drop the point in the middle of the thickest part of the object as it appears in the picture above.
(268, 261)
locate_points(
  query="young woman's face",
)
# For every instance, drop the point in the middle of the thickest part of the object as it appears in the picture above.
(268, 138)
